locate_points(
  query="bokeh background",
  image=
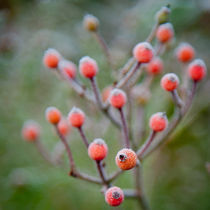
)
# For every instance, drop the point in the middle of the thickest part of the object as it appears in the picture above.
(175, 176)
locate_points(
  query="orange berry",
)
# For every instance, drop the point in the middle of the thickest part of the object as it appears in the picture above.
(185, 52)
(76, 117)
(143, 52)
(63, 127)
(68, 68)
(53, 115)
(197, 70)
(88, 67)
(155, 66)
(114, 196)
(97, 150)
(126, 159)
(158, 121)
(117, 98)
(51, 58)
(106, 93)
(90, 22)
(31, 131)
(165, 32)
(169, 82)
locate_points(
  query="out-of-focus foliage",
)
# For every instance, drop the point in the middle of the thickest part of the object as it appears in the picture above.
(175, 175)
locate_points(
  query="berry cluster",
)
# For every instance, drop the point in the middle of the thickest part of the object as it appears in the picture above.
(113, 102)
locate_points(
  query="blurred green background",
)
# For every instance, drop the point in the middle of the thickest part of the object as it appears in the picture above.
(175, 176)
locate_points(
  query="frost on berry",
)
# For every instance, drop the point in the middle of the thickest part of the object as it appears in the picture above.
(143, 52)
(117, 98)
(197, 70)
(51, 58)
(88, 67)
(126, 159)
(90, 22)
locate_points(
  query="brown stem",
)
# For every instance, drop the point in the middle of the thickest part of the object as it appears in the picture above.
(73, 172)
(152, 34)
(104, 109)
(115, 175)
(98, 163)
(139, 188)
(68, 150)
(178, 116)
(103, 45)
(176, 98)
(130, 73)
(145, 146)
(82, 134)
(44, 153)
(124, 128)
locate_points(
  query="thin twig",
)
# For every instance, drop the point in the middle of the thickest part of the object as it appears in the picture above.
(139, 188)
(178, 116)
(152, 34)
(73, 172)
(102, 107)
(44, 153)
(68, 150)
(130, 73)
(124, 128)
(145, 146)
(176, 98)
(82, 134)
(130, 193)
(103, 45)
(98, 163)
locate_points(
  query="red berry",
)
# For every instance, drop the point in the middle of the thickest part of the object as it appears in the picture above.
(158, 121)
(143, 52)
(30, 131)
(155, 66)
(88, 67)
(126, 159)
(197, 70)
(114, 196)
(76, 117)
(117, 98)
(169, 82)
(165, 32)
(68, 68)
(98, 149)
(106, 93)
(51, 58)
(63, 127)
(185, 52)
(53, 115)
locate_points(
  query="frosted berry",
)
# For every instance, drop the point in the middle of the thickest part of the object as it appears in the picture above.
(117, 98)
(51, 58)
(169, 82)
(126, 159)
(158, 121)
(165, 32)
(76, 117)
(30, 131)
(106, 93)
(64, 127)
(197, 70)
(185, 52)
(155, 66)
(67, 68)
(97, 150)
(90, 22)
(53, 115)
(114, 196)
(162, 16)
(143, 52)
(88, 67)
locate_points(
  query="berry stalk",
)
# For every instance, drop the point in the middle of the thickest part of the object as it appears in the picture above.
(124, 128)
